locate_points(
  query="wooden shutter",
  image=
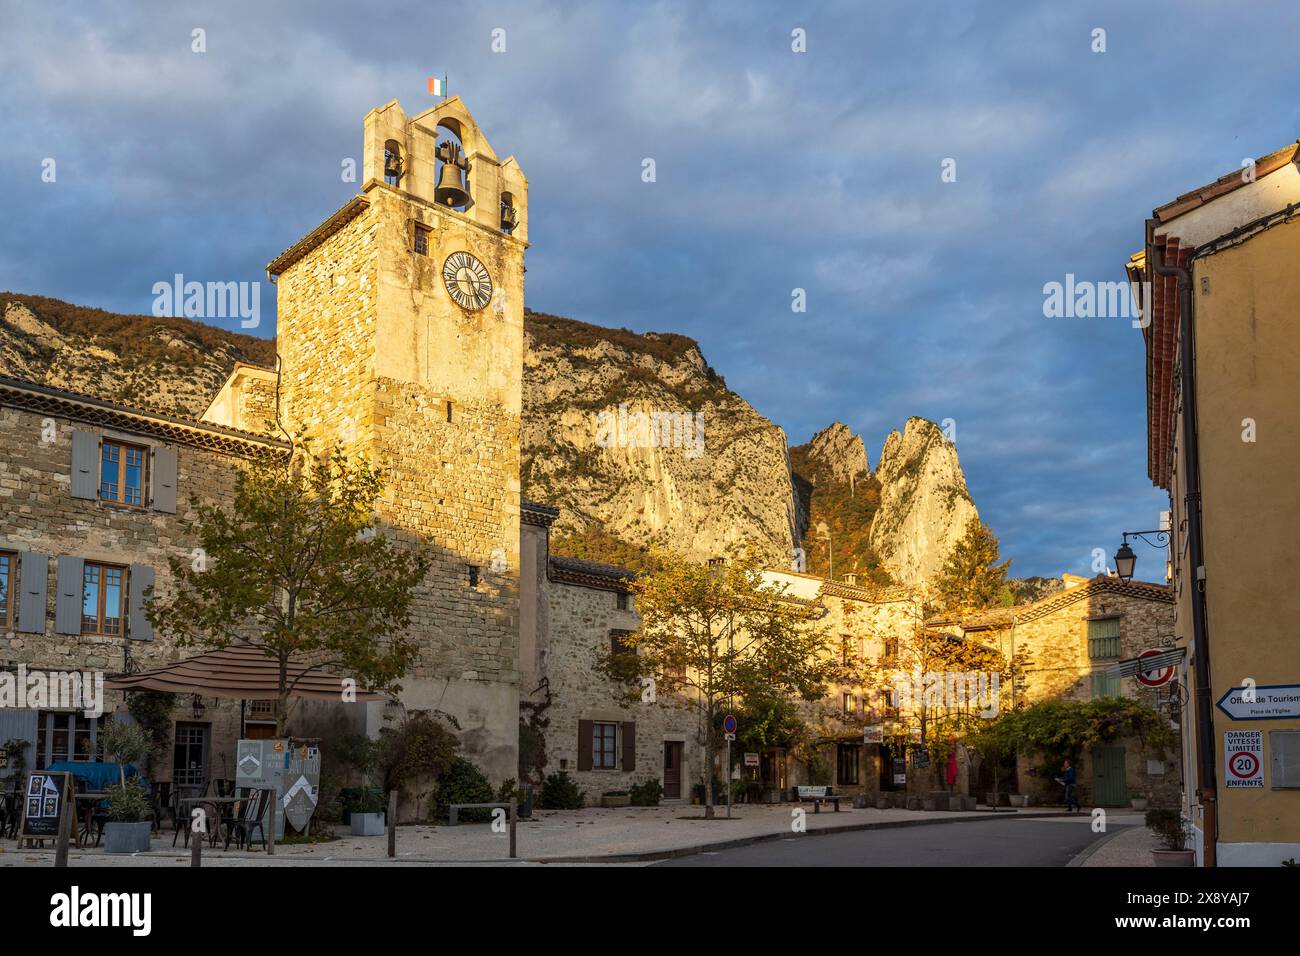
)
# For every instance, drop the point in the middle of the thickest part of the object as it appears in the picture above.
(18, 724)
(142, 577)
(585, 728)
(164, 479)
(33, 578)
(85, 465)
(67, 602)
(629, 745)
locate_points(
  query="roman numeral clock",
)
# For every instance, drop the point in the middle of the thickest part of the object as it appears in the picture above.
(467, 281)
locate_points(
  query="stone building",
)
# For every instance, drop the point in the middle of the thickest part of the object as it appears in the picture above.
(1071, 642)
(1217, 282)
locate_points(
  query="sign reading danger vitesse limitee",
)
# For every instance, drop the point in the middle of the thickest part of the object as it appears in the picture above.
(1244, 752)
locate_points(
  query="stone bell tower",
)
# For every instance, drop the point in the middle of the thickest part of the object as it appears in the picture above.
(400, 336)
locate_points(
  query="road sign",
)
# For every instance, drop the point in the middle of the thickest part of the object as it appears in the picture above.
(751, 760)
(729, 724)
(1271, 702)
(1158, 677)
(1244, 752)
(728, 737)
(873, 735)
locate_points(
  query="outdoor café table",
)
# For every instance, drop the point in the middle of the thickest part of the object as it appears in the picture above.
(216, 803)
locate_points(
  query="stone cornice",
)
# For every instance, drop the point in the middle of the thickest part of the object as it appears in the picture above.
(43, 400)
(317, 237)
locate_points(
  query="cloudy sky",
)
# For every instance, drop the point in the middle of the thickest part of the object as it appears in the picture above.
(776, 170)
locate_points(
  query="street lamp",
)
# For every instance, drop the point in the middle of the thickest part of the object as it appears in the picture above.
(1126, 560)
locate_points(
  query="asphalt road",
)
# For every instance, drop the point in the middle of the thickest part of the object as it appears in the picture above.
(1010, 842)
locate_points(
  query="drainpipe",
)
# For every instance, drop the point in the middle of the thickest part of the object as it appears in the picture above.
(1205, 759)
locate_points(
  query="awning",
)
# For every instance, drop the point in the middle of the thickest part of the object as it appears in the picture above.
(241, 672)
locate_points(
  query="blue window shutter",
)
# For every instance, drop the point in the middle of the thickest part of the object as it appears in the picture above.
(67, 603)
(33, 578)
(164, 479)
(142, 578)
(85, 465)
(18, 724)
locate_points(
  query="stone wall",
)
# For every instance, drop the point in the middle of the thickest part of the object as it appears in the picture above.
(42, 516)
(579, 623)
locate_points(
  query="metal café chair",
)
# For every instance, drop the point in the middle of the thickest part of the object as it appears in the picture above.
(247, 819)
(181, 811)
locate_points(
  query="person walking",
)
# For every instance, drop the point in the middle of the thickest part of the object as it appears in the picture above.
(1069, 778)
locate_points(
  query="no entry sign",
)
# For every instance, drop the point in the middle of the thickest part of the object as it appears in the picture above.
(1244, 752)
(1158, 677)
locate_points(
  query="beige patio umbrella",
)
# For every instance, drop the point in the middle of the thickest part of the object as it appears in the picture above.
(241, 672)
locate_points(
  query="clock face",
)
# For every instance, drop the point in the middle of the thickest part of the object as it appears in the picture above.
(468, 282)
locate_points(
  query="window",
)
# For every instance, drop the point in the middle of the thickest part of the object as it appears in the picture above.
(850, 703)
(420, 239)
(7, 578)
(845, 654)
(101, 598)
(617, 644)
(121, 472)
(622, 600)
(450, 413)
(890, 651)
(64, 736)
(1104, 685)
(887, 708)
(604, 745)
(847, 758)
(473, 575)
(1103, 639)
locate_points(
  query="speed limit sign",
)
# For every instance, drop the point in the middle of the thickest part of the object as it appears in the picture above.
(1244, 752)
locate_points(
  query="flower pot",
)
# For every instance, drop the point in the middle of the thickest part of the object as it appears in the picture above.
(1174, 857)
(1018, 799)
(367, 824)
(956, 802)
(122, 837)
(1139, 803)
(607, 800)
(883, 802)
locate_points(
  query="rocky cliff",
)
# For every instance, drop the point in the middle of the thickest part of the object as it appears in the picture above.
(635, 437)
(924, 503)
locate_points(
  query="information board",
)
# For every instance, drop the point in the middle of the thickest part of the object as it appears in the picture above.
(43, 802)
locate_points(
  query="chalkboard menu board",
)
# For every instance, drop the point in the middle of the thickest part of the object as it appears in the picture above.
(920, 758)
(43, 804)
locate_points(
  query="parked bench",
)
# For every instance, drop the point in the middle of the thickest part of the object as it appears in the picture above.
(818, 796)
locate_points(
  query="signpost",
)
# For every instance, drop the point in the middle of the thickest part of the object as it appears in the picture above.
(1244, 753)
(874, 734)
(1270, 702)
(751, 760)
(729, 731)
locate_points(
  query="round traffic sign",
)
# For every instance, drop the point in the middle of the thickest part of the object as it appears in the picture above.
(1155, 678)
(1243, 764)
(729, 724)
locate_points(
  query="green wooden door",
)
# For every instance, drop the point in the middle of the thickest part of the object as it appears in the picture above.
(1109, 787)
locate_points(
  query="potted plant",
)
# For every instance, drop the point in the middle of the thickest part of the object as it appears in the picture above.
(648, 793)
(1138, 800)
(129, 813)
(365, 805)
(1018, 799)
(1171, 832)
(616, 798)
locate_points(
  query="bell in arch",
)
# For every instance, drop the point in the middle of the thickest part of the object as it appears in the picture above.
(451, 182)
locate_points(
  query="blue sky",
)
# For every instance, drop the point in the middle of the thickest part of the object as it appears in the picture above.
(775, 171)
